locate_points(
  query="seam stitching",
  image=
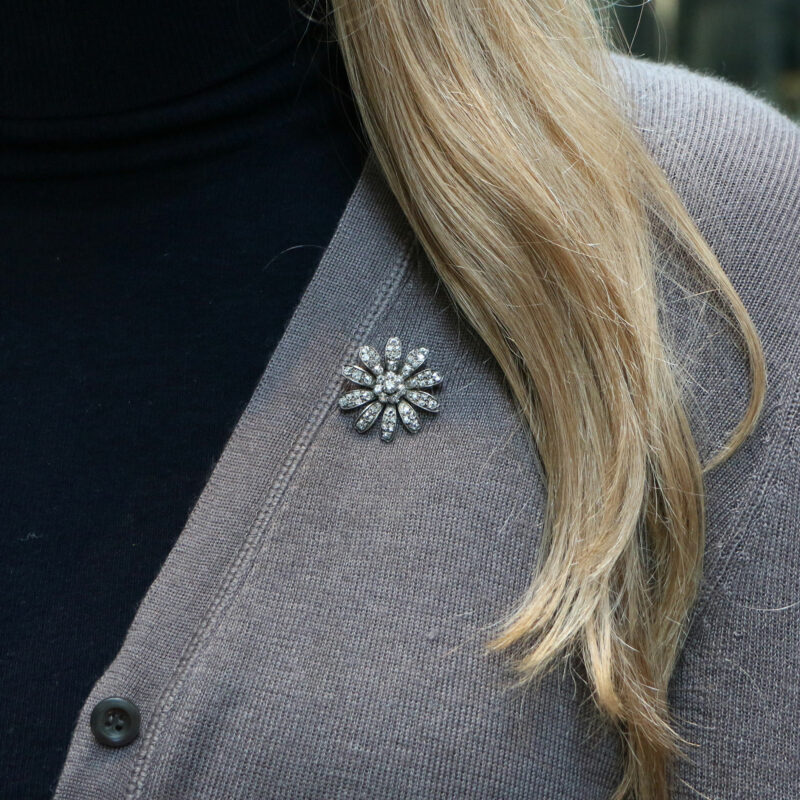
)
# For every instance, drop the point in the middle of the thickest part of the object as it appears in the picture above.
(250, 547)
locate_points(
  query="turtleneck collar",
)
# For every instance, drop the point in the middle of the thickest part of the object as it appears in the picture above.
(90, 58)
(94, 86)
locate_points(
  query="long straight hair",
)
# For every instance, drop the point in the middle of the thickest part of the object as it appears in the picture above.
(502, 129)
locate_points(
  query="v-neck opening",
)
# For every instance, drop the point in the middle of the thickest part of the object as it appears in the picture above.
(358, 275)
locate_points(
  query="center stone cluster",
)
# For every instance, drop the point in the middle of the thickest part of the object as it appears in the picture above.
(389, 387)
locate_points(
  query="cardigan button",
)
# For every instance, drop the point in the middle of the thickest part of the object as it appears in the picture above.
(115, 721)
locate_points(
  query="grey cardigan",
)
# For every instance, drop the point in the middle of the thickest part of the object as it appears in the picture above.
(317, 629)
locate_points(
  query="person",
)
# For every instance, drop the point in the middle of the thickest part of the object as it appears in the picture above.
(512, 509)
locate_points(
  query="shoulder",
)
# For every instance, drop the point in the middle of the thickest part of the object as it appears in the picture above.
(699, 126)
(734, 159)
(721, 145)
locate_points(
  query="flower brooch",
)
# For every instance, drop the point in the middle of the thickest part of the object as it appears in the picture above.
(390, 388)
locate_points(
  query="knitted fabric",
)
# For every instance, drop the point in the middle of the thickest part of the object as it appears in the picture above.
(317, 629)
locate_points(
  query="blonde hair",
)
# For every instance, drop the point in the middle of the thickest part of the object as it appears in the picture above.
(503, 131)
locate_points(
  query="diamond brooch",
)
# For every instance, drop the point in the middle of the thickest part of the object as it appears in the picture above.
(390, 389)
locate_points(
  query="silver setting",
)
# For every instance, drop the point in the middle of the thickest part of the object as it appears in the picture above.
(388, 422)
(409, 417)
(355, 398)
(368, 416)
(423, 380)
(392, 354)
(389, 392)
(423, 400)
(358, 375)
(371, 358)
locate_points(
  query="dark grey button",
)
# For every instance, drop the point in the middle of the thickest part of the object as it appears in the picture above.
(115, 721)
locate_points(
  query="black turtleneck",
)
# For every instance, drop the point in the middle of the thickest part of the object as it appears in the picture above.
(170, 173)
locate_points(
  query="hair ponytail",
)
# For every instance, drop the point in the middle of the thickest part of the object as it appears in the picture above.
(501, 129)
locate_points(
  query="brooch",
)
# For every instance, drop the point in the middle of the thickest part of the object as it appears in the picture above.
(390, 388)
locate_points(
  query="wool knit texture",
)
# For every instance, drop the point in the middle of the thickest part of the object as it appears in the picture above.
(317, 630)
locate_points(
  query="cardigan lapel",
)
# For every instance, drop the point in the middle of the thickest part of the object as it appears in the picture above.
(363, 265)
